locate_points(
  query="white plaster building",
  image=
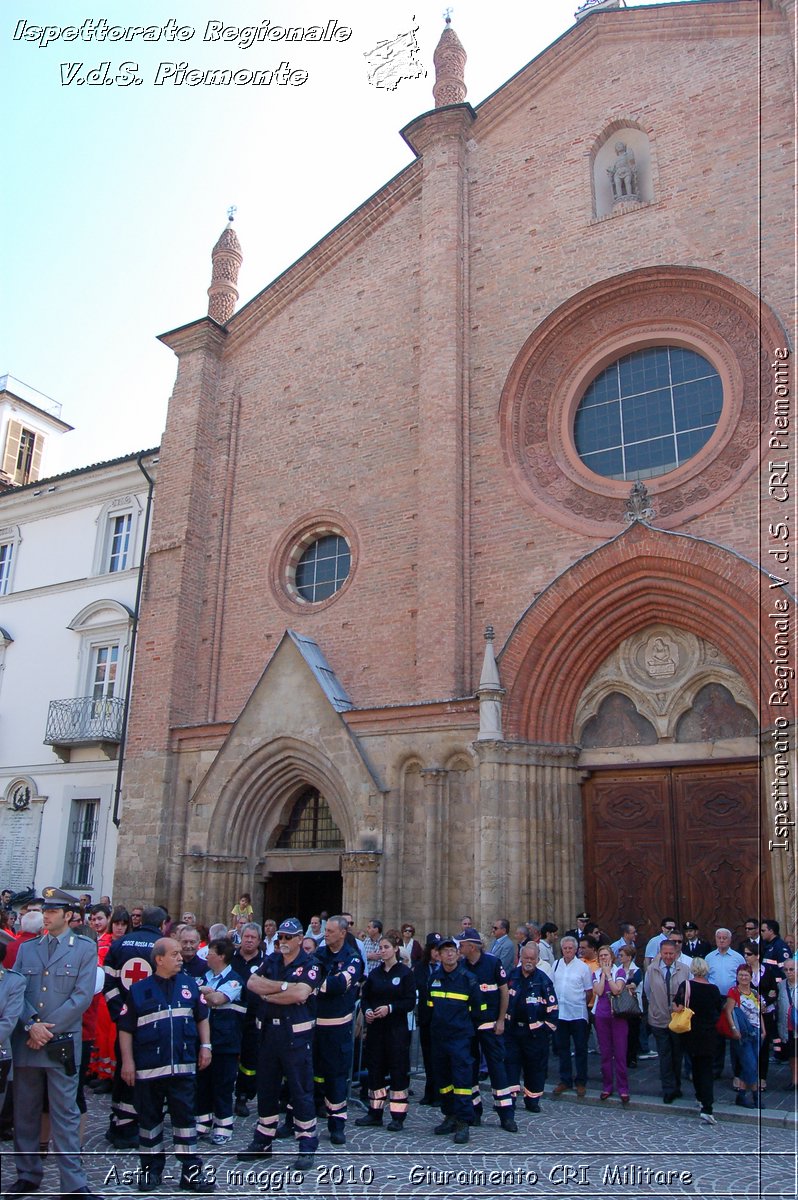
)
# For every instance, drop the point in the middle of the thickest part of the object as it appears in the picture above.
(70, 555)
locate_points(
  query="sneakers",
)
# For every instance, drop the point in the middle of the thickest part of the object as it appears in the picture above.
(648, 1054)
(707, 1118)
(220, 1138)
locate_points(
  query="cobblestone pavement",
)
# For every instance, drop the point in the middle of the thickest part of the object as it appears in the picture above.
(573, 1147)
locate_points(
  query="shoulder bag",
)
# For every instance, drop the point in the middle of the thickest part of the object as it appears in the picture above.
(681, 1022)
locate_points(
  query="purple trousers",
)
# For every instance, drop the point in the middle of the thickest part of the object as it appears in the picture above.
(613, 1035)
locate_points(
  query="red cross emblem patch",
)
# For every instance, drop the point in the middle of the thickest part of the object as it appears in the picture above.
(134, 970)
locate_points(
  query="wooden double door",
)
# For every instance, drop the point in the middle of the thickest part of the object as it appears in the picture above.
(677, 841)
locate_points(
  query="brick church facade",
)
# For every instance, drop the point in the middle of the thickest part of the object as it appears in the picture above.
(527, 387)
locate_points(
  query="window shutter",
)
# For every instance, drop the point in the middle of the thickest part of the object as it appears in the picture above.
(13, 438)
(36, 460)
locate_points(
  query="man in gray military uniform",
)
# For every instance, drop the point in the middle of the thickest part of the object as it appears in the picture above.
(59, 970)
(12, 986)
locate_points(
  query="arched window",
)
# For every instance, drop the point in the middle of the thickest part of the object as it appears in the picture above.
(310, 826)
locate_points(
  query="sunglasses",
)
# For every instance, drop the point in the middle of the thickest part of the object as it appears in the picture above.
(287, 937)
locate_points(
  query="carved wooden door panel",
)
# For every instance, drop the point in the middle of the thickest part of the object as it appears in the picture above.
(680, 841)
(716, 825)
(629, 861)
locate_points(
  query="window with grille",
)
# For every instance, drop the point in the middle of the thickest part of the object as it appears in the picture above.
(648, 413)
(82, 843)
(323, 568)
(310, 826)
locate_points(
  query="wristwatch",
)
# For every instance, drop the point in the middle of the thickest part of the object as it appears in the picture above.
(284, 986)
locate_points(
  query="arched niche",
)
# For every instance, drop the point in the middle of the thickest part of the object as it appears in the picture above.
(621, 163)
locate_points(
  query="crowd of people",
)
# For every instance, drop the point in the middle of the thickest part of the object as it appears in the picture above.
(199, 1021)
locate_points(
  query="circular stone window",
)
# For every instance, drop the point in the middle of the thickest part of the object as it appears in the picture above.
(322, 569)
(648, 413)
(658, 374)
(313, 562)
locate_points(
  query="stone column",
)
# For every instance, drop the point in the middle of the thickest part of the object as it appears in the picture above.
(433, 888)
(212, 883)
(529, 850)
(360, 871)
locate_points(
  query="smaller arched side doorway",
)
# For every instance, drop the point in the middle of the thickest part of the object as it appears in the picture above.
(301, 870)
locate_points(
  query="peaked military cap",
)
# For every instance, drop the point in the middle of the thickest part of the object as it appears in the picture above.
(54, 897)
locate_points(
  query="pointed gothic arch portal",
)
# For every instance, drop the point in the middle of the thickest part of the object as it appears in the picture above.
(303, 876)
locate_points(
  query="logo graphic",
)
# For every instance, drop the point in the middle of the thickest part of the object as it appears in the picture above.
(393, 60)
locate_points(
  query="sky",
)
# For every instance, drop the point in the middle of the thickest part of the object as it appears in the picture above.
(115, 193)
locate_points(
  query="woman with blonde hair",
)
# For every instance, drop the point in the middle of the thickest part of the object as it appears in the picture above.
(612, 1031)
(700, 1041)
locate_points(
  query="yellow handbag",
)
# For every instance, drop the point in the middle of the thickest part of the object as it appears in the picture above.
(680, 1022)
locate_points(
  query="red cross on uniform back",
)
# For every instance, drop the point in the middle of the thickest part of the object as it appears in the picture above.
(134, 970)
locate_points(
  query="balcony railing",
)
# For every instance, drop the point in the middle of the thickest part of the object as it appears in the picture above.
(84, 720)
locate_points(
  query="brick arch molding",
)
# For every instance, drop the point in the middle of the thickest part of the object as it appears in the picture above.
(253, 801)
(641, 577)
(665, 305)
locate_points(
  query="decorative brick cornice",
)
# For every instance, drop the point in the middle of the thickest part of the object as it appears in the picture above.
(454, 120)
(204, 334)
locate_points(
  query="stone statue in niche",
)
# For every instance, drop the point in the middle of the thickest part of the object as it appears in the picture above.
(660, 658)
(623, 174)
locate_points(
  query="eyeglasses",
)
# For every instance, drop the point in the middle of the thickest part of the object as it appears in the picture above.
(669, 928)
(754, 927)
(676, 941)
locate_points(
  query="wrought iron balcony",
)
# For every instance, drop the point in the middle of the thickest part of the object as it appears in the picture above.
(83, 721)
